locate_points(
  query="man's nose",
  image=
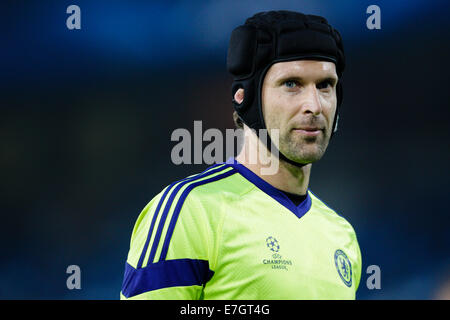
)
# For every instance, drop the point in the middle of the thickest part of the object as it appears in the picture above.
(311, 102)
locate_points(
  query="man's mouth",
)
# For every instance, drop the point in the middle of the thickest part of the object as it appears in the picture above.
(308, 131)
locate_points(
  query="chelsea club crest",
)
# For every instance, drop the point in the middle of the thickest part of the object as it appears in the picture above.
(344, 267)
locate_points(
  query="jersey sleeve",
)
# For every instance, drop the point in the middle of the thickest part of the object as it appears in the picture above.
(170, 250)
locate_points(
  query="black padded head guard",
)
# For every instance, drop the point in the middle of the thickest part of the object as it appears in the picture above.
(276, 36)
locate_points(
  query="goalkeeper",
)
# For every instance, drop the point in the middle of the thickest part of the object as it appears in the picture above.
(232, 232)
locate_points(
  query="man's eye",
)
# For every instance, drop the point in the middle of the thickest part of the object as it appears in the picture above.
(324, 85)
(290, 83)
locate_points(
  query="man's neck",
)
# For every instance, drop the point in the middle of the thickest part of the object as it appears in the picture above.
(288, 177)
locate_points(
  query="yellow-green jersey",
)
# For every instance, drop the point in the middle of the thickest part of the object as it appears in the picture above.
(227, 234)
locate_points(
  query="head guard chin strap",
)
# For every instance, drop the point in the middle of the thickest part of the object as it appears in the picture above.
(278, 36)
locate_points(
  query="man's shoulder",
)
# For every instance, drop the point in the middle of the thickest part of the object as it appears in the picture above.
(217, 184)
(191, 199)
(322, 205)
(328, 211)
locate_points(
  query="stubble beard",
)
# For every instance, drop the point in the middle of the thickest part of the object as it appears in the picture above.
(303, 149)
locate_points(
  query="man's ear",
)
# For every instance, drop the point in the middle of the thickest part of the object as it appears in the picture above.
(239, 95)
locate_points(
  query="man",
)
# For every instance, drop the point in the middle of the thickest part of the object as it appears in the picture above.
(232, 232)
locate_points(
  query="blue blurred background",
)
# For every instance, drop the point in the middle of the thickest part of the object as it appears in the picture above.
(86, 118)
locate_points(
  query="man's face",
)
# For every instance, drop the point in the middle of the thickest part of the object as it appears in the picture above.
(299, 99)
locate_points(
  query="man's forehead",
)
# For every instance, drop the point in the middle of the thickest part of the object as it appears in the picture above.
(303, 68)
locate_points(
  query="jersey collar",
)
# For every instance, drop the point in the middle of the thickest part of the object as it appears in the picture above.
(270, 190)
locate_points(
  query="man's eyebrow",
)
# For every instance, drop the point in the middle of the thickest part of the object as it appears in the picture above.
(330, 78)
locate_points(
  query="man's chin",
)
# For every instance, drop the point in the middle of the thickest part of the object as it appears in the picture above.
(303, 152)
(304, 160)
(305, 157)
